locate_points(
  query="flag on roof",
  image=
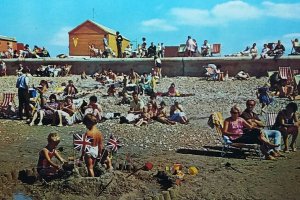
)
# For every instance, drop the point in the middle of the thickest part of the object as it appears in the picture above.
(81, 142)
(113, 143)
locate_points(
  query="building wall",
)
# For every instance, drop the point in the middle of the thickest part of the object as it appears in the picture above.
(113, 44)
(4, 45)
(88, 34)
(170, 66)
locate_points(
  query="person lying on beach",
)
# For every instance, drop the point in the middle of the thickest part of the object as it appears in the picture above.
(161, 115)
(240, 131)
(242, 75)
(287, 123)
(46, 167)
(47, 111)
(96, 148)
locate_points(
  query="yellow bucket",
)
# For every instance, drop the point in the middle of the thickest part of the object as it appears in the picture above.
(193, 171)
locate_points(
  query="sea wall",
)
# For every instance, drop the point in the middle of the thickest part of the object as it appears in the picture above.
(171, 66)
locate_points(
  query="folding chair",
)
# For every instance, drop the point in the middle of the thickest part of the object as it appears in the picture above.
(286, 73)
(181, 50)
(7, 101)
(216, 120)
(270, 119)
(216, 49)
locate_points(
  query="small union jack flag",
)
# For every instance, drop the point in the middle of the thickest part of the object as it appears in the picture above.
(114, 143)
(80, 142)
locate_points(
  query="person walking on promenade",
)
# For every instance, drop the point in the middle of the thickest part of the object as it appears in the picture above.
(23, 94)
(119, 40)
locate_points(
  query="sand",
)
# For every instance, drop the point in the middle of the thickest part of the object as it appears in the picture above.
(194, 144)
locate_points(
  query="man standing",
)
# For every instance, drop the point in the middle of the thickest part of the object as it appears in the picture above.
(2, 68)
(119, 40)
(23, 94)
(253, 119)
(190, 46)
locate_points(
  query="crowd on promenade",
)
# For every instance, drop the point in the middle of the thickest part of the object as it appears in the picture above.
(26, 52)
(191, 49)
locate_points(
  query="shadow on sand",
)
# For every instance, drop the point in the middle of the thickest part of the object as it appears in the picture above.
(214, 151)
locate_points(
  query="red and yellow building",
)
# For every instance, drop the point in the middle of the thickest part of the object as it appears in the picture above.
(90, 32)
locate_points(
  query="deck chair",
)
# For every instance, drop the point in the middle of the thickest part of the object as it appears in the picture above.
(8, 104)
(216, 121)
(286, 73)
(181, 50)
(216, 49)
(270, 119)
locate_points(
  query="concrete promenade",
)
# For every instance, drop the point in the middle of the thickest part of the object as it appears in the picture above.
(179, 66)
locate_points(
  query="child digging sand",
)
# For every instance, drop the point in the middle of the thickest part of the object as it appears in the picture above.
(46, 167)
(96, 148)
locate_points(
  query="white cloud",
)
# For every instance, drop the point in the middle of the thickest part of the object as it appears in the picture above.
(224, 13)
(235, 10)
(61, 37)
(292, 35)
(157, 25)
(282, 10)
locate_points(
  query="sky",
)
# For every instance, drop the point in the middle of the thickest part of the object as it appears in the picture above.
(235, 24)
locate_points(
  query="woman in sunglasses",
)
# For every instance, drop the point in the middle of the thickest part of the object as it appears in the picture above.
(240, 131)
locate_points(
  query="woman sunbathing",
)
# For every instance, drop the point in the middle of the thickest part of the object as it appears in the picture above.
(240, 131)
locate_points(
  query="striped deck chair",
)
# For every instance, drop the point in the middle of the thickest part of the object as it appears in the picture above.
(270, 119)
(216, 120)
(216, 49)
(7, 101)
(286, 73)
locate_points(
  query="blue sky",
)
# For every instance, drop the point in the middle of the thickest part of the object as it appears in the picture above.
(235, 24)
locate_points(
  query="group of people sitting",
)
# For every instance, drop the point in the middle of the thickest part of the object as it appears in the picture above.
(141, 114)
(26, 52)
(275, 50)
(247, 127)
(53, 70)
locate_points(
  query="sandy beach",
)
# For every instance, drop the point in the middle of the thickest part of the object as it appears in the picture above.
(194, 144)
